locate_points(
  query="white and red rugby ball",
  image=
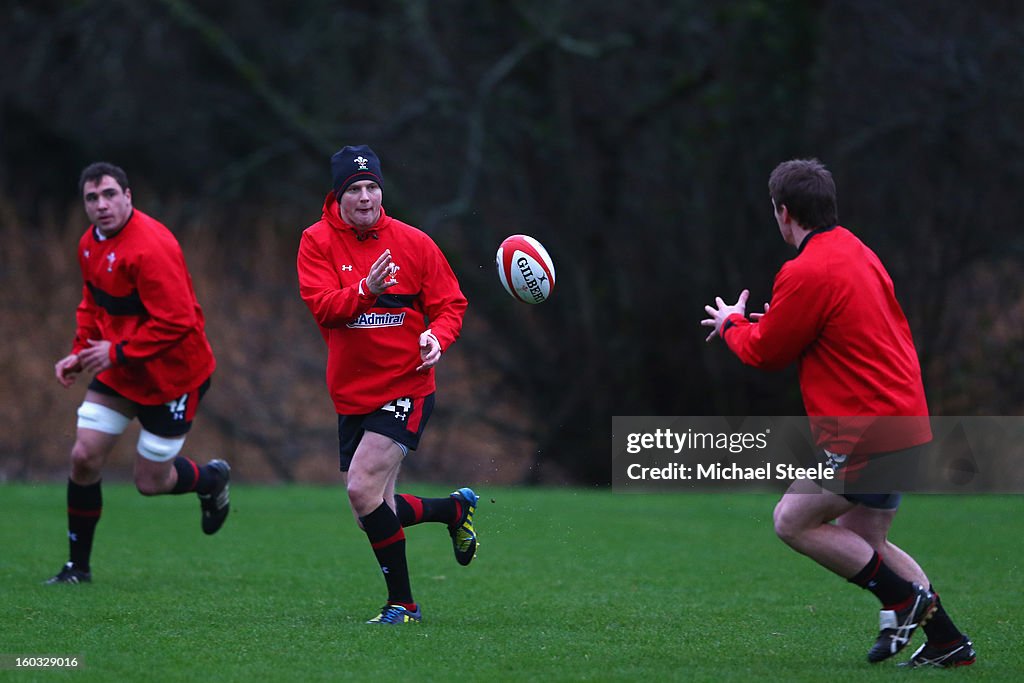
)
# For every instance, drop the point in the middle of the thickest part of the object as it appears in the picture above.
(525, 269)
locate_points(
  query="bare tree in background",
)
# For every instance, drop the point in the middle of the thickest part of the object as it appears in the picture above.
(633, 140)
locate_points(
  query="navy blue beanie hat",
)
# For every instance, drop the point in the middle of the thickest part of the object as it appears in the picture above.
(353, 163)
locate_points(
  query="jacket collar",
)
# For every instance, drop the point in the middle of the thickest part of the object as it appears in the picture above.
(812, 233)
(333, 218)
(100, 237)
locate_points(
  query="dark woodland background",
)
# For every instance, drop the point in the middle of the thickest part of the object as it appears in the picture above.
(633, 139)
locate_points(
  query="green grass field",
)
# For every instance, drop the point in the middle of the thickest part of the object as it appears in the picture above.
(568, 585)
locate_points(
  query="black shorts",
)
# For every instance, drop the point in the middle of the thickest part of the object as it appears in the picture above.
(170, 419)
(878, 501)
(874, 480)
(402, 420)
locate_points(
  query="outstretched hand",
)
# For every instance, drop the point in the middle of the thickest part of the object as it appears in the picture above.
(756, 317)
(721, 310)
(382, 274)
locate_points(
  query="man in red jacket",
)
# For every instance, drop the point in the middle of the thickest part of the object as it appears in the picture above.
(833, 310)
(387, 304)
(140, 332)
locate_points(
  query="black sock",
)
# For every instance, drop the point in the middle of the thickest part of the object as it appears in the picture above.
(886, 584)
(191, 477)
(414, 510)
(85, 503)
(388, 542)
(940, 629)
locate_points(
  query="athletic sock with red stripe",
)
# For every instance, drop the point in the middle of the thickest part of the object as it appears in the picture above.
(388, 542)
(940, 629)
(191, 477)
(415, 510)
(85, 503)
(887, 585)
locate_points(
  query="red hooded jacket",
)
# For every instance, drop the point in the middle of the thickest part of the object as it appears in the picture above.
(373, 341)
(138, 295)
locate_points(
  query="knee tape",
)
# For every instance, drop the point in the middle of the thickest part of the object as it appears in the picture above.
(101, 418)
(159, 448)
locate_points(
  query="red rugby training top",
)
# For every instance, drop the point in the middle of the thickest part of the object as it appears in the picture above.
(833, 310)
(373, 341)
(138, 295)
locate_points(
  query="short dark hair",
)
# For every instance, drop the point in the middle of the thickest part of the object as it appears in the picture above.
(94, 171)
(806, 187)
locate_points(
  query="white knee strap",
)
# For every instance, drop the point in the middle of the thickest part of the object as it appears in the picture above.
(159, 448)
(101, 418)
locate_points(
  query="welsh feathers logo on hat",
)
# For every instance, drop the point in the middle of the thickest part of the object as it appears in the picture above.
(353, 163)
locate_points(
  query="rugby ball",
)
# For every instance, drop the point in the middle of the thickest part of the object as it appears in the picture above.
(525, 269)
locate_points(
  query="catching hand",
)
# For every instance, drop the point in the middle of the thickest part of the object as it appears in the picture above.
(720, 311)
(757, 316)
